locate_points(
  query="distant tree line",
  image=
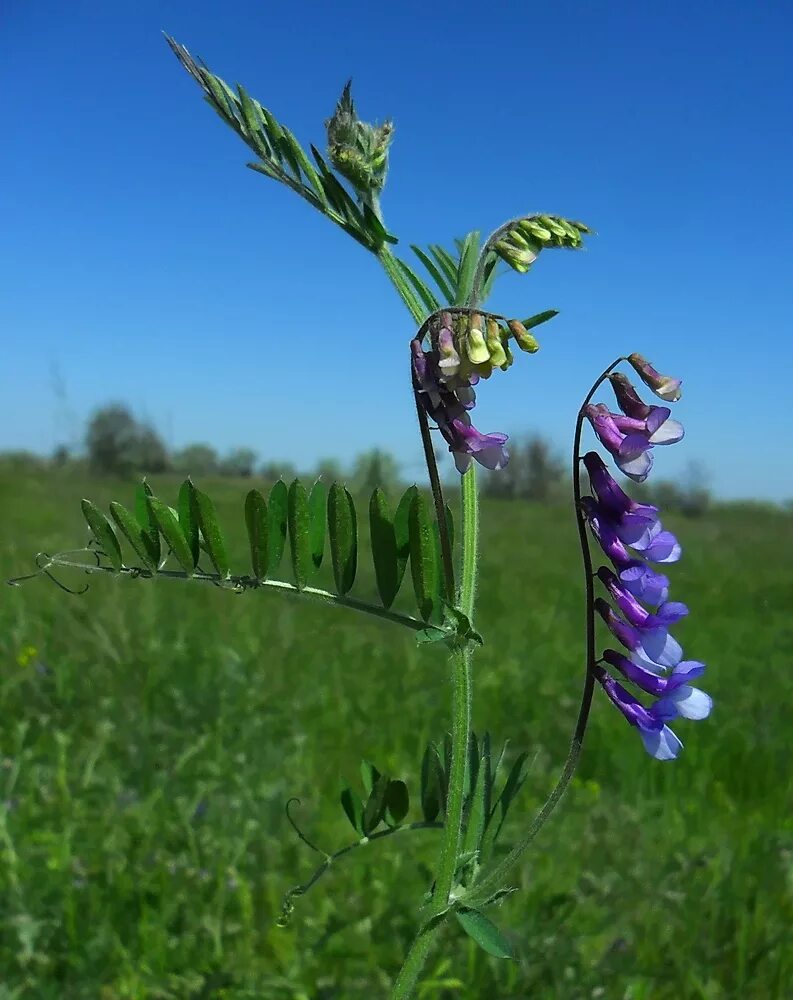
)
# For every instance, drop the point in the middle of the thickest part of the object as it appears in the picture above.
(116, 443)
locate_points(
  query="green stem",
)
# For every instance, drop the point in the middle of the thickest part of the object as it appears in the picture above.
(405, 983)
(470, 505)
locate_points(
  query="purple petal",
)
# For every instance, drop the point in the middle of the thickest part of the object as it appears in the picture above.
(644, 583)
(628, 399)
(664, 548)
(645, 679)
(657, 416)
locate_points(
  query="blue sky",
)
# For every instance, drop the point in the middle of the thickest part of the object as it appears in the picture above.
(141, 261)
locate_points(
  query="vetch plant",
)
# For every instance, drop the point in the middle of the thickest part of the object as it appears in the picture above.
(465, 789)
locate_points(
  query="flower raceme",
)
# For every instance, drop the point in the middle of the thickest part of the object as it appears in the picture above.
(463, 349)
(632, 536)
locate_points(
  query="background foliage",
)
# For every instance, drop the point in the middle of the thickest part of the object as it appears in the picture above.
(152, 734)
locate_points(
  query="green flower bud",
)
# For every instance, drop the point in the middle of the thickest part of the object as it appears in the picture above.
(504, 338)
(517, 258)
(358, 150)
(526, 342)
(476, 347)
(498, 356)
(533, 228)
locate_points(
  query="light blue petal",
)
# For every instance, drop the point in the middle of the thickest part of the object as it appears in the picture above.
(661, 743)
(690, 702)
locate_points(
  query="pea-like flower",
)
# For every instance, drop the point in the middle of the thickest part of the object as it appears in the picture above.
(658, 739)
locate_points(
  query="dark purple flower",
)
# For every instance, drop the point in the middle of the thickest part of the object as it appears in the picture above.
(658, 739)
(656, 419)
(653, 648)
(466, 442)
(636, 615)
(604, 531)
(676, 694)
(630, 449)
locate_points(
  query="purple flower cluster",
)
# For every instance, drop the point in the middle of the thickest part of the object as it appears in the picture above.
(462, 350)
(640, 614)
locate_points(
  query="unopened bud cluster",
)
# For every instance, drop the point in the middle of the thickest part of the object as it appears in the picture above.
(463, 348)
(520, 245)
(358, 150)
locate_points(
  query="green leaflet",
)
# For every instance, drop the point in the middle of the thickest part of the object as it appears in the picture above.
(402, 531)
(446, 263)
(299, 542)
(352, 806)
(445, 286)
(317, 507)
(397, 802)
(206, 516)
(342, 531)
(277, 505)
(376, 786)
(258, 532)
(539, 318)
(302, 161)
(188, 520)
(469, 255)
(139, 538)
(423, 557)
(477, 926)
(146, 519)
(384, 548)
(423, 291)
(171, 531)
(103, 532)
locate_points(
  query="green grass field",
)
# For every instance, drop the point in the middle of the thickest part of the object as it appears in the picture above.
(152, 732)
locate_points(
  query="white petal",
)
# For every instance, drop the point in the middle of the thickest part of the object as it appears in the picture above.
(690, 702)
(661, 744)
(637, 468)
(670, 432)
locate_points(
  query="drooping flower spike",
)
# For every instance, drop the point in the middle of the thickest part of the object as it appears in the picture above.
(632, 536)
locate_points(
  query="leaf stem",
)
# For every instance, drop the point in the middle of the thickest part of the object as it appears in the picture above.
(240, 584)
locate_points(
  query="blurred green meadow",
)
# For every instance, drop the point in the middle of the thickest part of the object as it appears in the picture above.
(152, 733)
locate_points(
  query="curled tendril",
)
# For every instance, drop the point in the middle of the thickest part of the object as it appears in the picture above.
(296, 801)
(44, 569)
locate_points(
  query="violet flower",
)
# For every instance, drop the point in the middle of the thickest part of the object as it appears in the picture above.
(677, 696)
(651, 647)
(630, 450)
(659, 740)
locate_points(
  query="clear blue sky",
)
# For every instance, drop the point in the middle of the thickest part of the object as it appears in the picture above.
(142, 261)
